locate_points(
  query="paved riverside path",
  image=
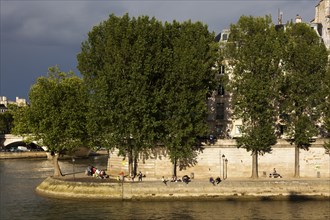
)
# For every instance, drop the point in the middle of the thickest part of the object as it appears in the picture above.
(82, 186)
(82, 177)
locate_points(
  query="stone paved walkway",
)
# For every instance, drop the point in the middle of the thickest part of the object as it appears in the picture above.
(81, 177)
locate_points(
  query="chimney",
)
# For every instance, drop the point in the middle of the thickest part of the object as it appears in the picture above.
(298, 19)
(279, 19)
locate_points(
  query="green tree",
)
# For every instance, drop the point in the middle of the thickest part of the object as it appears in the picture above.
(147, 84)
(122, 64)
(56, 117)
(326, 109)
(6, 121)
(188, 81)
(20, 122)
(304, 66)
(253, 52)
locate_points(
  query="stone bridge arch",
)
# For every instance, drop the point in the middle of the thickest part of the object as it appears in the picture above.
(6, 139)
(9, 141)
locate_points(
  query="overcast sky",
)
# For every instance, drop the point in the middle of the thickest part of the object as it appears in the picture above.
(39, 34)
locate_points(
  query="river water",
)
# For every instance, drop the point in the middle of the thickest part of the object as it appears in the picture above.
(18, 200)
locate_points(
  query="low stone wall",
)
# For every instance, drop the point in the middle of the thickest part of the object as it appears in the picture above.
(225, 159)
(17, 155)
(271, 189)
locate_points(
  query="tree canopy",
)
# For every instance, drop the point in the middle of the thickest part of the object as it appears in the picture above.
(253, 51)
(6, 120)
(147, 82)
(278, 80)
(56, 117)
(121, 63)
(304, 64)
(326, 110)
(188, 79)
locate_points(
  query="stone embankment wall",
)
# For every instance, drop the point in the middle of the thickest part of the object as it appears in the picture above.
(149, 190)
(212, 162)
(17, 155)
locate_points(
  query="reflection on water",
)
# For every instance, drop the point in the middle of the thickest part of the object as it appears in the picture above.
(18, 179)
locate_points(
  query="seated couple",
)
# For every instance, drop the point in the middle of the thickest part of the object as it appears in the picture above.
(274, 174)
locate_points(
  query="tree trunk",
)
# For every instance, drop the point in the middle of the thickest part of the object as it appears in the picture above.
(254, 165)
(57, 169)
(134, 165)
(174, 168)
(130, 162)
(108, 161)
(296, 162)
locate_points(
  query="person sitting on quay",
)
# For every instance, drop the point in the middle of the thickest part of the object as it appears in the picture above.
(100, 174)
(89, 170)
(218, 180)
(275, 174)
(121, 176)
(164, 180)
(186, 179)
(132, 177)
(96, 172)
(212, 181)
(103, 174)
(93, 170)
(174, 179)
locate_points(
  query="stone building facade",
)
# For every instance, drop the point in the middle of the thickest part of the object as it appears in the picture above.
(220, 120)
(4, 102)
(321, 22)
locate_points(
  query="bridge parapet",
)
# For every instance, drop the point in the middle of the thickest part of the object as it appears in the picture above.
(6, 139)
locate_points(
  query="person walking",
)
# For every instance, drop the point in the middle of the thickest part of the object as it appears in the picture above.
(164, 180)
(140, 176)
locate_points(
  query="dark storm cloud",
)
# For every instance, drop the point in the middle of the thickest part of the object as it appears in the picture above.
(38, 34)
(54, 22)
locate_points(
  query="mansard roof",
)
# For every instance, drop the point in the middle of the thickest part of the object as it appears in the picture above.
(218, 37)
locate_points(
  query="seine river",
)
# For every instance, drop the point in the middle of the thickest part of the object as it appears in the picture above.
(18, 200)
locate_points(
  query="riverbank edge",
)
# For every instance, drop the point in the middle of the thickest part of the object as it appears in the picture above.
(155, 190)
(45, 154)
(23, 155)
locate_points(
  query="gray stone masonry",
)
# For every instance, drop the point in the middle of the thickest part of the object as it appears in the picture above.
(154, 189)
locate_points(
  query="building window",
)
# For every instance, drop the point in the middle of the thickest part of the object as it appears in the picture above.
(220, 109)
(222, 69)
(219, 129)
(238, 129)
(283, 129)
(224, 37)
(221, 90)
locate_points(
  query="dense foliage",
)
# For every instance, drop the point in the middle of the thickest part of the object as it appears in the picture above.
(273, 83)
(56, 117)
(188, 79)
(147, 84)
(254, 53)
(304, 65)
(326, 109)
(121, 65)
(7, 120)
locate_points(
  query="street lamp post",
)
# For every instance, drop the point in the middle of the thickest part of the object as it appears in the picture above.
(223, 166)
(220, 162)
(226, 166)
(73, 160)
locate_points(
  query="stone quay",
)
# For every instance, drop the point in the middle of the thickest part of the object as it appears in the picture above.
(91, 188)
